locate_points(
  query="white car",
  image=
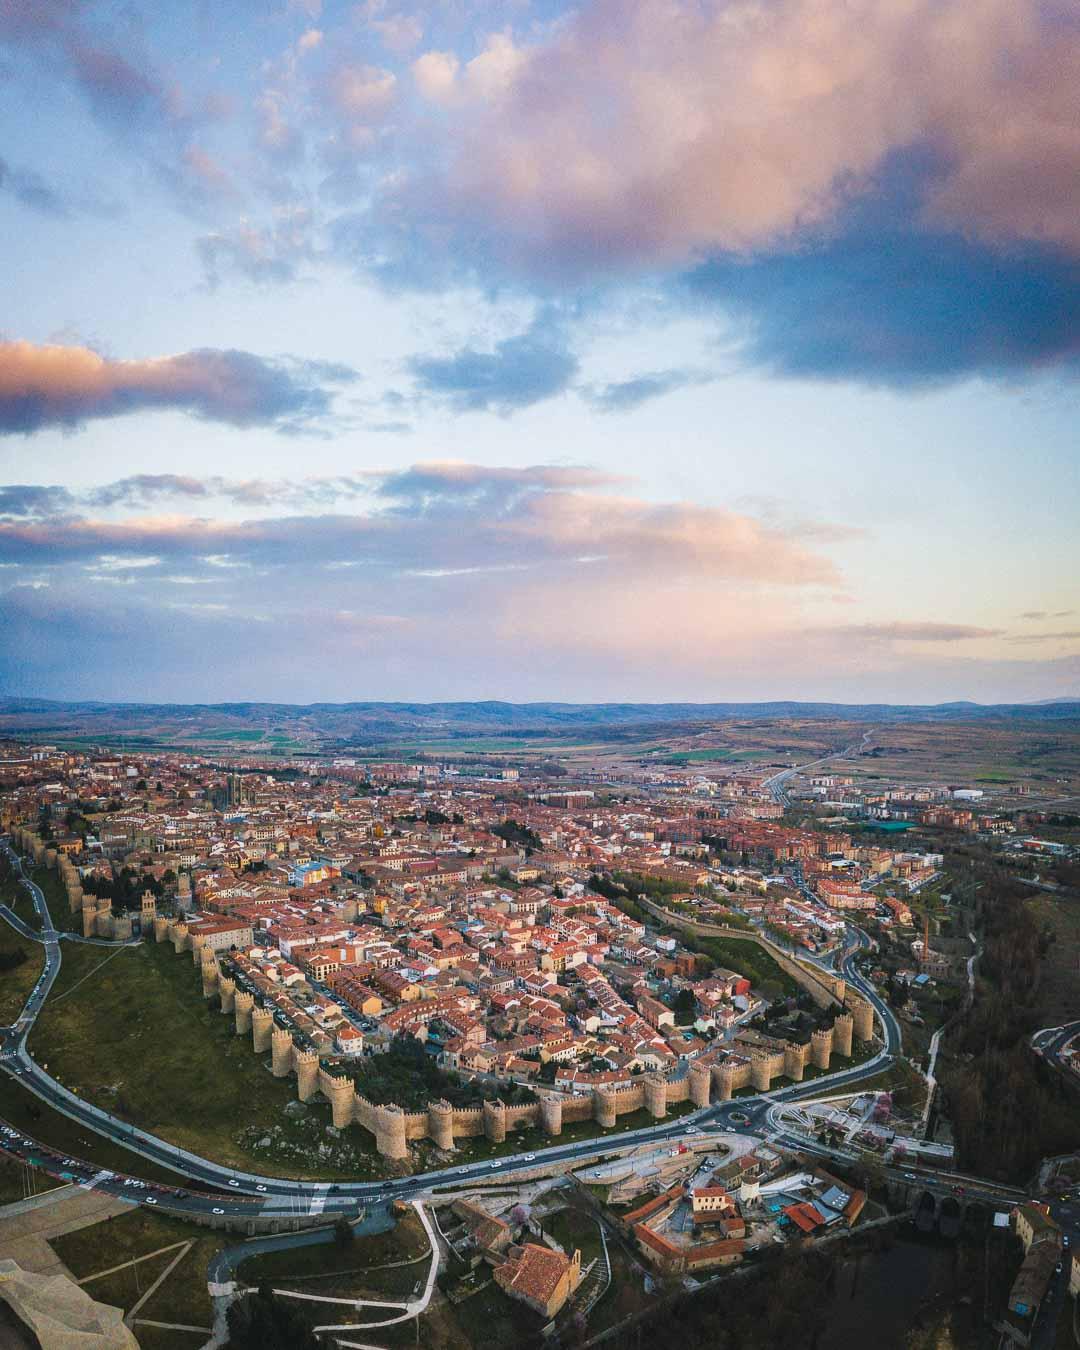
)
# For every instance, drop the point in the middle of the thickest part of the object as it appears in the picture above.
(260, 1188)
(530, 1157)
(233, 1182)
(217, 1211)
(150, 1200)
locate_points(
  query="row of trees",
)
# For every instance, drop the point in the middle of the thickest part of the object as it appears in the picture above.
(408, 1075)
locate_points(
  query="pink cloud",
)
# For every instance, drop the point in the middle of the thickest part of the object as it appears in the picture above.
(656, 131)
(64, 386)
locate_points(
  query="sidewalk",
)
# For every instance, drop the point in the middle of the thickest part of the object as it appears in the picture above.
(25, 1228)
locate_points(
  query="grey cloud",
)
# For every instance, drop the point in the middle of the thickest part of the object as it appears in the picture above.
(625, 395)
(32, 499)
(913, 632)
(518, 371)
(31, 190)
(1068, 636)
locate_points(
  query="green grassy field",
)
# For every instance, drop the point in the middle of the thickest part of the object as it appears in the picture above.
(19, 1106)
(183, 1298)
(17, 1181)
(354, 1267)
(129, 1030)
(16, 983)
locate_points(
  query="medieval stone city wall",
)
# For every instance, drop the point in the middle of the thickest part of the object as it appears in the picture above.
(824, 989)
(392, 1127)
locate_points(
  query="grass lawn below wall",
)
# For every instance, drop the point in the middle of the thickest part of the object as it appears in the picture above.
(129, 1030)
(183, 1298)
(16, 983)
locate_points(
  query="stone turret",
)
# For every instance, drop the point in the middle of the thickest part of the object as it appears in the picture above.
(209, 972)
(495, 1121)
(161, 928)
(227, 990)
(121, 928)
(842, 1030)
(103, 919)
(700, 1084)
(793, 1062)
(50, 858)
(390, 1132)
(307, 1073)
(198, 942)
(179, 935)
(656, 1095)
(727, 1082)
(820, 1049)
(441, 1124)
(863, 1014)
(262, 1025)
(243, 1006)
(282, 1052)
(75, 898)
(551, 1113)
(604, 1112)
(761, 1071)
(342, 1095)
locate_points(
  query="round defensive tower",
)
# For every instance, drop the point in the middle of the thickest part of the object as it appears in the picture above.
(242, 1007)
(441, 1124)
(843, 1029)
(700, 1084)
(342, 1094)
(551, 1113)
(727, 1082)
(307, 1073)
(863, 1014)
(227, 990)
(793, 1061)
(761, 1071)
(820, 1049)
(161, 928)
(281, 1051)
(262, 1026)
(209, 972)
(390, 1132)
(495, 1121)
(656, 1096)
(604, 1112)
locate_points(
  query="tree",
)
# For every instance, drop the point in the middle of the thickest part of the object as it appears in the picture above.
(343, 1232)
(262, 1321)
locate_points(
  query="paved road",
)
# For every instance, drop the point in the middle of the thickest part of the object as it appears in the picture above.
(1050, 1042)
(777, 784)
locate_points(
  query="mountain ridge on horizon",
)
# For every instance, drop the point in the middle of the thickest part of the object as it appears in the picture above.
(539, 714)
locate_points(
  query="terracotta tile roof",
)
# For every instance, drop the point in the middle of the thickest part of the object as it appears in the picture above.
(532, 1271)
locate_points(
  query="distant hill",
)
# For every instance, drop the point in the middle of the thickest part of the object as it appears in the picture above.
(296, 727)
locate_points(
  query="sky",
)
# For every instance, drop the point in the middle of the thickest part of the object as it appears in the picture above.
(650, 350)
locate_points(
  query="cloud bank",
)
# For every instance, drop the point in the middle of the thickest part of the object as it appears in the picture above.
(43, 386)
